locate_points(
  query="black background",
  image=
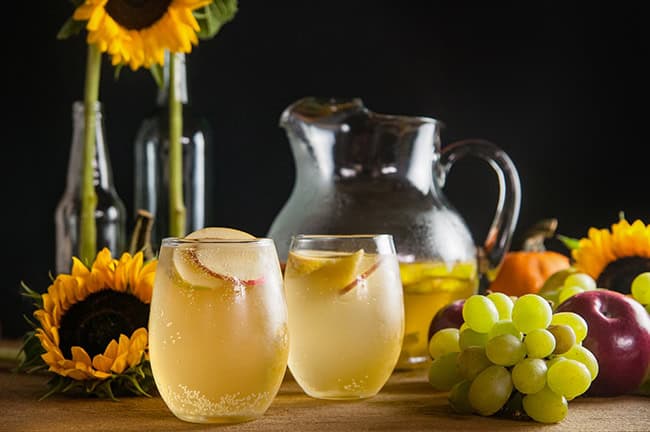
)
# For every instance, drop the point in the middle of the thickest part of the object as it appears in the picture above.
(560, 87)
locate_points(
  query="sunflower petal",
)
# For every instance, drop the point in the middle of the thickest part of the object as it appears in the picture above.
(111, 349)
(120, 363)
(79, 355)
(102, 363)
(175, 31)
(602, 247)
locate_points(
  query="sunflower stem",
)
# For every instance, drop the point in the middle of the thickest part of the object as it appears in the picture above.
(176, 203)
(88, 229)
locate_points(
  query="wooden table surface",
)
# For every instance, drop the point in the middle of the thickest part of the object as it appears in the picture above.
(406, 403)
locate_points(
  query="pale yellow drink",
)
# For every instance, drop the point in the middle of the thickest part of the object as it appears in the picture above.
(218, 336)
(428, 286)
(346, 321)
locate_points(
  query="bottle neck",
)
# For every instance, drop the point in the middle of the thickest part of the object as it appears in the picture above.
(102, 173)
(180, 81)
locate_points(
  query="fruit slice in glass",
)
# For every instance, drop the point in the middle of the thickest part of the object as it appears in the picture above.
(202, 265)
(332, 271)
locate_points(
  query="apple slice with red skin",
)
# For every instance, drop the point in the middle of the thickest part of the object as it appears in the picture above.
(335, 272)
(191, 269)
(618, 336)
(363, 276)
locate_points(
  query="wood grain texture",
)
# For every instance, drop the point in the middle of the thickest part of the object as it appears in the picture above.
(406, 403)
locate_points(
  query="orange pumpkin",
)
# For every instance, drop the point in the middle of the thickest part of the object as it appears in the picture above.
(525, 271)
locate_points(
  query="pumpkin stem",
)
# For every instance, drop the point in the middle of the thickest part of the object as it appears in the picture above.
(535, 235)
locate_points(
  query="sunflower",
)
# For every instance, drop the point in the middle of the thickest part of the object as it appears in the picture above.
(614, 257)
(137, 32)
(91, 327)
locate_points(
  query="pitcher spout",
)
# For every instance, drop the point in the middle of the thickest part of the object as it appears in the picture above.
(315, 110)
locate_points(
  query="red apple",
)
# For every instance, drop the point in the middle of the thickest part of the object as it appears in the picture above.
(619, 337)
(450, 315)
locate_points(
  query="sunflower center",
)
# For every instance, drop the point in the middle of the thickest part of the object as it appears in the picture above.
(137, 14)
(618, 275)
(99, 318)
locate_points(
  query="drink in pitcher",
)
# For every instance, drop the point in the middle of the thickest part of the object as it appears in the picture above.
(218, 336)
(346, 316)
(428, 286)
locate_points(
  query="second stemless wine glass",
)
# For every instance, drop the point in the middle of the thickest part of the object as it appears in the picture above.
(218, 335)
(346, 314)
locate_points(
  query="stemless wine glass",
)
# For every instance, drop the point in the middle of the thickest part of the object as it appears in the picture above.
(346, 313)
(218, 336)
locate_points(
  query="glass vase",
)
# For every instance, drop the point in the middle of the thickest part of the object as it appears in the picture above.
(151, 155)
(110, 212)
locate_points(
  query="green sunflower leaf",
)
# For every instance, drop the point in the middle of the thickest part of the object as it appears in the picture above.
(213, 16)
(118, 70)
(56, 385)
(157, 72)
(569, 242)
(71, 28)
(31, 294)
(31, 351)
(108, 391)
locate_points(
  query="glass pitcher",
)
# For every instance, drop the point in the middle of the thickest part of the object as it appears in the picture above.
(360, 172)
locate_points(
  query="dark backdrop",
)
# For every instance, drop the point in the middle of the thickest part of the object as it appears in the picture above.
(557, 86)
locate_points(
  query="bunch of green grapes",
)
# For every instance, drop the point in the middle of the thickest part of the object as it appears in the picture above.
(640, 289)
(512, 356)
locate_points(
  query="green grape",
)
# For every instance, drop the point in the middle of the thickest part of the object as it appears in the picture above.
(469, 337)
(545, 406)
(459, 397)
(505, 350)
(569, 291)
(463, 326)
(503, 303)
(582, 280)
(443, 372)
(504, 327)
(641, 288)
(584, 356)
(530, 312)
(539, 343)
(479, 313)
(444, 341)
(490, 390)
(529, 375)
(575, 321)
(570, 378)
(472, 361)
(555, 359)
(565, 338)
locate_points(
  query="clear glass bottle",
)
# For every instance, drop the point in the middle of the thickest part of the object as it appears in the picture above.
(151, 154)
(110, 212)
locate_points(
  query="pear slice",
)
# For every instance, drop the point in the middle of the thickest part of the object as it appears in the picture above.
(195, 264)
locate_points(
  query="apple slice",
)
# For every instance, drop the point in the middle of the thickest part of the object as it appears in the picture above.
(330, 271)
(198, 265)
(220, 233)
(335, 267)
(363, 276)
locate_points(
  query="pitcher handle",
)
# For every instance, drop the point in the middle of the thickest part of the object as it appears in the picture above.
(497, 242)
